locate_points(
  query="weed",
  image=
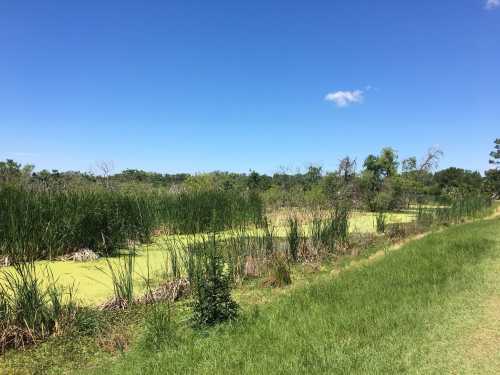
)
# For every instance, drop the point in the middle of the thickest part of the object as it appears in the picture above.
(293, 237)
(122, 277)
(159, 327)
(380, 221)
(279, 271)
(32, 309)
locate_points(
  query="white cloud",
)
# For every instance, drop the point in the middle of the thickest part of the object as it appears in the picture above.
(345, 98)
(490, 4)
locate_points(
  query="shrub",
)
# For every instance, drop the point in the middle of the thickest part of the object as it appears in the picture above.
(212, 290)
(87, 321)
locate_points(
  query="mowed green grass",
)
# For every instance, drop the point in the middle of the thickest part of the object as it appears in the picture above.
(389, 316)
(93, 286)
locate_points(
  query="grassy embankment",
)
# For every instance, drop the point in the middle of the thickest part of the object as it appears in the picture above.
(422, 309)
(396, 315)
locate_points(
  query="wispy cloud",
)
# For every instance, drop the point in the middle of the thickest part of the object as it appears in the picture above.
(345, 98)
(491, 4)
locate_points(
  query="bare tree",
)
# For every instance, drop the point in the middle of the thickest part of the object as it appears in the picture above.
(105, 169)
(347, 168)
(430, 160)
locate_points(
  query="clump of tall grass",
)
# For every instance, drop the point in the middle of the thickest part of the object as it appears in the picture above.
(468, 207)
(121, 273)
(208, 210)
(238, 246)
(293, 238)
(380, 222)
(425, 217)
(279, 271)
(331, 234)
(32, 306)
(268, 237)
(159, 327)
(316, 235)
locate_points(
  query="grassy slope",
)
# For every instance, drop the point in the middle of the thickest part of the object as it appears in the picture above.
(399, 314)
(462, 308)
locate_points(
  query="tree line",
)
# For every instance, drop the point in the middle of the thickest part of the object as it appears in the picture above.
(381, 182)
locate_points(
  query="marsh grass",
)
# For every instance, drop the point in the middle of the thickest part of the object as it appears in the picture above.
(279, 271)
(268, 237)
(380, 222)
(466, 208)
(293, 238)
(331, 234)
(160, 329)
(44, 224)
(236, 249)
(32, 306)
(121, 274)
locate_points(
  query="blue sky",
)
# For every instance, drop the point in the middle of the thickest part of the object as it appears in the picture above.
(175, 86)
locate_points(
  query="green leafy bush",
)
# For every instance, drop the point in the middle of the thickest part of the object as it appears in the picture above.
(211, 285)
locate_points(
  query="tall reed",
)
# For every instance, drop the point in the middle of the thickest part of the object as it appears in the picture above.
(32, 305)
(293, 238)
(43, 224)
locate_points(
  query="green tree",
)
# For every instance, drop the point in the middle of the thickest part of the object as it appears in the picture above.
(492, 176)
(312, 176)
(495, 155)
(375, 181)
(9, 170)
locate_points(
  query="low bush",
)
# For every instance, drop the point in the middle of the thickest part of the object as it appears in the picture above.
(211, 285)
